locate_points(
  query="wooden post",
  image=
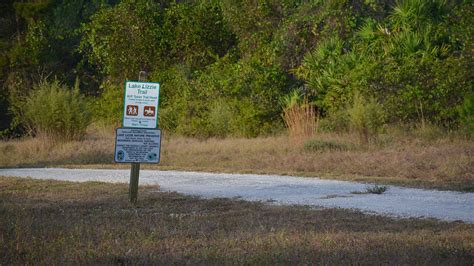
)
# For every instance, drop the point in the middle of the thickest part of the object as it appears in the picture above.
(135, 171)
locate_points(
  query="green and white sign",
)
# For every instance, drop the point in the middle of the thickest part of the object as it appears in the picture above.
(141, 104)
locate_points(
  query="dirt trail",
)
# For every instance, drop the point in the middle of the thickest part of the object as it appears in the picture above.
(396, 202)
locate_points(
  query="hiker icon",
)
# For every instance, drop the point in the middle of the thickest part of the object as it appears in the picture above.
(132, 110)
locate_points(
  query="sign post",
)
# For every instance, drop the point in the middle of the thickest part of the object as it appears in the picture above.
(139, 141)
(135, 170)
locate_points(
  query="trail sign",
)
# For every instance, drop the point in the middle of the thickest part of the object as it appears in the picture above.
(141, 104)
(137, 145)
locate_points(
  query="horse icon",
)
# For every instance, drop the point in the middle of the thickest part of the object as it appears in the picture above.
(149, 111)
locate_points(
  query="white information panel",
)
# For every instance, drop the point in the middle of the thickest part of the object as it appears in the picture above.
(137, 145)
(141, 104)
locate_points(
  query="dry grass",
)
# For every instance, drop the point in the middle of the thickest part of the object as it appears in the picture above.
(420, 160)
(51, 222)
(96, 148)
(300, 120)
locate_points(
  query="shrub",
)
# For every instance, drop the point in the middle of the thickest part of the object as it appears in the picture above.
(53, 110)
(335, 121)
(108, 108)
(366, 117)
(220, 118)
(466, 112)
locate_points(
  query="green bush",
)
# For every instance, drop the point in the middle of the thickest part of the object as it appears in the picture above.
(466, 112)
(53, 110)
(335, 121)
(366, 117)
(108, 108)
(220, 117)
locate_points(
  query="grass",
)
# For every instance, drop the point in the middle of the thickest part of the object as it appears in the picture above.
(52, 222)
(321, 145)
(426, 159)
(374, 189)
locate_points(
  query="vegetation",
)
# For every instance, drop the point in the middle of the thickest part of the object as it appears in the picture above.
(425, 158)
(52, 110)
(299, 116)
(324, 145)
(374, 189)
(225, 66)
(50, 222)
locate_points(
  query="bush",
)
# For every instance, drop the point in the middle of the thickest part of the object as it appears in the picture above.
(335, 121)
(108, 108)
(366, 117)
(466, 112)
(53, 110)
(220, 118)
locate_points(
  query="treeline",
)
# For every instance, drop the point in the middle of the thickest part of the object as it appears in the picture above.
(230, 67)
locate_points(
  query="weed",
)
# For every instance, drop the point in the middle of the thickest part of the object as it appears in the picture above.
(376, 189)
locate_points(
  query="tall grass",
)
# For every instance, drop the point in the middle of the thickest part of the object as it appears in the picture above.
(300, 117)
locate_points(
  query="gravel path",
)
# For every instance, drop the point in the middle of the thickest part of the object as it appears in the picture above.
(396, 202)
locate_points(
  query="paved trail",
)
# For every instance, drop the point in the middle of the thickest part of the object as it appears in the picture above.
(287, 190)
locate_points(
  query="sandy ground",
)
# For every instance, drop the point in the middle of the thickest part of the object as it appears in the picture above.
(288, 190)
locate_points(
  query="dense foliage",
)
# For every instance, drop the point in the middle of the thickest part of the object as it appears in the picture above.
(53, 110)
(224, 66)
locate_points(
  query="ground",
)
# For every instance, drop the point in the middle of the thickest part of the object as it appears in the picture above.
(52, 222)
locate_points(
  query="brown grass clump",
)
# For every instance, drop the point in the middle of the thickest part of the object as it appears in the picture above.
(300, 120)
(51, 222)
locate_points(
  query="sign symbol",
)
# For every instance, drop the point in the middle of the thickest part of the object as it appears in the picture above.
(149, 111)
(152, 156)
(132, 110)
(120, 155)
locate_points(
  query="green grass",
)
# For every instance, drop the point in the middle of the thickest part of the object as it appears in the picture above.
(51, 222)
